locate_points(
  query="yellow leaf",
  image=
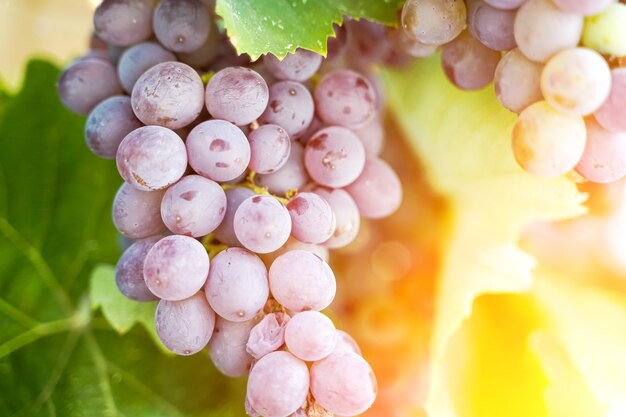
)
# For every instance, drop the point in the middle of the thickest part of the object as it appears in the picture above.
(463, 140)
(589, 324)
(489, 369)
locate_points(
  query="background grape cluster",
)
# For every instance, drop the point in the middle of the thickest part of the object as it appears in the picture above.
(561, 72)
(238, 178)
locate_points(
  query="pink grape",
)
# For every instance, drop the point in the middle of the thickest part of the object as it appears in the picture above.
(334, 157)
(604, 158)
(343, 383)
(262, 224)
(347, 342)
(290, 106)
(151, 158)
(294, 244)
(547, 143)
(194, 206)
(236, 94)
(517, 81)
(404, 44)
(218, 150)
(505, 4)
(225, 233)
(584, 7)
(169, 94)
(345, 98)
(237, 286)
(278, 385)
(541, 29)
(300, 280)
(185, 326)
(378, 191)
(269, 148)
(228, 347)
(347, 216)
(612, 113)
(176, 267)
(310, 336)
(312, 218)
(291, 176)
(372, 136)
(576, 81)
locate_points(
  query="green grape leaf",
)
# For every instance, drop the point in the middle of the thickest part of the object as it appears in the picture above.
(257, 27)
(121, 312)
(463, 140)
(59, 357)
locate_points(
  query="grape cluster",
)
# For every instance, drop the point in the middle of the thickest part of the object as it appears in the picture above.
(562, 72)
(239, 176)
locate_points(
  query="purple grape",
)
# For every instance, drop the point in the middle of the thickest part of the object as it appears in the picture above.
(297, 66)
(169, 94)
(492, 27)
(218, 150)
(290, 106)
(469, 64)
(151, 158)
(182, 25)
(123, 22)
(86, 83)
(129, 270)
(138, 59)
(108, 123)
(236, 94)
(137, 214)
(206, 53)
(194, 206)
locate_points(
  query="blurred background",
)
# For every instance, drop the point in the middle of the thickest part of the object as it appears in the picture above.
(54, 29)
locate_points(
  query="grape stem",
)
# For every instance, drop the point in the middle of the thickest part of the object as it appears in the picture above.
(250, 184)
